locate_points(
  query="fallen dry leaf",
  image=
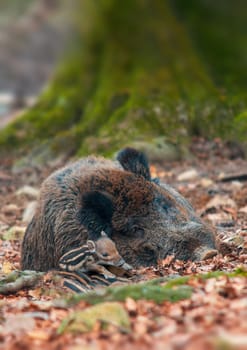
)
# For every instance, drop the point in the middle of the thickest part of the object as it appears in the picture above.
(7, 267)
(39, 335)
(213, 318)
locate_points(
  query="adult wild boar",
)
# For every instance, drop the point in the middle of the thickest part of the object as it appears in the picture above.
(146, 220)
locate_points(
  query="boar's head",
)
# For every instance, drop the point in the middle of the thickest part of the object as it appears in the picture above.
(147, 220)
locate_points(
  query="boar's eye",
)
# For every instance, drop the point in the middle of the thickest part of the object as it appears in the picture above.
(138, 231)
(149, 253)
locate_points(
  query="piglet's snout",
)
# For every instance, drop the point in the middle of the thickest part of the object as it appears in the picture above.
(124, 265)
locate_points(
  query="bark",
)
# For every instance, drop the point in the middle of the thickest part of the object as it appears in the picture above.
(141, 69)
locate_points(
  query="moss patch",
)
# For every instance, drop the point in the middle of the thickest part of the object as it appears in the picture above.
(139, 70)
(107, 313)
(158, 290)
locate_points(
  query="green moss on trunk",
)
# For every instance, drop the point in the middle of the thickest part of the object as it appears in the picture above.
(135, 74)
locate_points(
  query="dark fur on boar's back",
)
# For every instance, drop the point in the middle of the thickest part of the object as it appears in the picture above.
(146, 219)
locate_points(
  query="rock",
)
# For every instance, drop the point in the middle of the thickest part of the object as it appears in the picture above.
(159, 149)
(205, 182)
(28, 191)
(29, 211)
(108, 313)
(221, 201)
(188, 175)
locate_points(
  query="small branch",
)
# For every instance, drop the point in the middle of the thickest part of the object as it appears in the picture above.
(239, 177)
(18, 280)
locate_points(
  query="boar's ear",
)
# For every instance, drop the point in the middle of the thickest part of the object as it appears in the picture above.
(134, 161)
(96, 213)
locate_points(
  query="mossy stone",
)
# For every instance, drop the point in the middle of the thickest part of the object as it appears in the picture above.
(108, 313)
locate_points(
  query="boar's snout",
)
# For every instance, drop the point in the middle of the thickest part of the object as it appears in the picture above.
(191, 241)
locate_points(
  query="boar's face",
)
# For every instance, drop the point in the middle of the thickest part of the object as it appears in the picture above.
(165, 226)
(147, 220)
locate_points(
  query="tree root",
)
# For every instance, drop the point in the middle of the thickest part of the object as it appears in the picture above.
(17, 280)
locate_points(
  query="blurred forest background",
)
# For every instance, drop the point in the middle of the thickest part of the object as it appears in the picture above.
(93, 76)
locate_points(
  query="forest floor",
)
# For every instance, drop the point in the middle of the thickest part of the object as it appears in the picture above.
(213, 316)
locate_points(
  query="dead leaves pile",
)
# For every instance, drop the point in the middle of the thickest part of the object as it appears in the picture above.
(214, 317)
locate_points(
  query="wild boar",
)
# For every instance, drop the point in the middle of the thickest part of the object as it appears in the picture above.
(147, 220)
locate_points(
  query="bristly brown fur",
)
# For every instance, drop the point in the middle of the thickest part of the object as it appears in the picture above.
(145, 219)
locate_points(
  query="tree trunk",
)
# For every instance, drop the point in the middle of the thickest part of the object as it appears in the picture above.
(140, 69)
